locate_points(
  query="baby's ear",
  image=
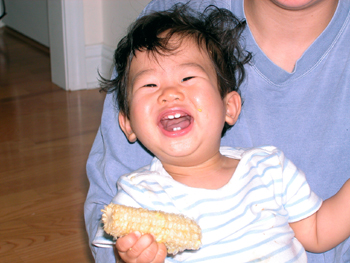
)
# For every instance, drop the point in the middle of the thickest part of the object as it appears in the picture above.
(125, 125)
(233, 107)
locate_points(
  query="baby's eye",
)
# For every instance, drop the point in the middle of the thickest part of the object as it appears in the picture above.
(150, 85)
(187, 78)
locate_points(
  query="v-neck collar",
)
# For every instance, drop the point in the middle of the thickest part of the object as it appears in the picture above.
(311, 57)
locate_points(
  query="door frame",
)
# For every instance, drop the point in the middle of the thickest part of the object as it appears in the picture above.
(67, 43)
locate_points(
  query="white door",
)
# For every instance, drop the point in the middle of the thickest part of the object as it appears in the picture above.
(67, 43)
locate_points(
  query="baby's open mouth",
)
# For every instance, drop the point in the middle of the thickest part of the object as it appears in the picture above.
(176, 122)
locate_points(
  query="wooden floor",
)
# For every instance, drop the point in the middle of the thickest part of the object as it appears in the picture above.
(45, 137)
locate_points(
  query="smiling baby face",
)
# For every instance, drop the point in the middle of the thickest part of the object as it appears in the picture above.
(176, 109)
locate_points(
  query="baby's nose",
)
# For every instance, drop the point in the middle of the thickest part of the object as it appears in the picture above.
(170, 94)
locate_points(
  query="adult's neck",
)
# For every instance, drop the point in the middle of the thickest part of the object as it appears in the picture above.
(283, 34)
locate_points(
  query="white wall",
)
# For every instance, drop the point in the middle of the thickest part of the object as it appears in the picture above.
(118, 15)
(106, 23)
(93, 21)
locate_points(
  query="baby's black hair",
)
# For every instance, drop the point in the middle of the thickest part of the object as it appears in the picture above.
(216, 31)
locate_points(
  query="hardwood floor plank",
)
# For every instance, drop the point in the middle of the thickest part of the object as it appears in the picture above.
(10, 257)
(50, 251)
(15, 199)
(46, 134)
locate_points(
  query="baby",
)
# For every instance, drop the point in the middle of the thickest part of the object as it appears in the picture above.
(177, 93)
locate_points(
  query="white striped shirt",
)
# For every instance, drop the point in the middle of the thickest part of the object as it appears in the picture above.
(244, 221)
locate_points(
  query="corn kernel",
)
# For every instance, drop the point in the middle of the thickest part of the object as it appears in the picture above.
(177, 232)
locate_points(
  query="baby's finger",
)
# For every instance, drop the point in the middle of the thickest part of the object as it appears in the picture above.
(123, 244)
(161, 253)
(145, 249)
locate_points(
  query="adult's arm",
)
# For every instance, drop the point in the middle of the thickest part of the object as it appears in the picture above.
(111, 156)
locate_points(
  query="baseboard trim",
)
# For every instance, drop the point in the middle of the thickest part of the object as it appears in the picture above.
(99, 59)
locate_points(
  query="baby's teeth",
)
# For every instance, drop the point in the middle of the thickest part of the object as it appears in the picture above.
(177, 129)
(177, 115)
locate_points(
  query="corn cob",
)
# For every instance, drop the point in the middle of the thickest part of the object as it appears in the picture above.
(177, 232)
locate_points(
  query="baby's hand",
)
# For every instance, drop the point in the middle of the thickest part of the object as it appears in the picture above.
(135, 248)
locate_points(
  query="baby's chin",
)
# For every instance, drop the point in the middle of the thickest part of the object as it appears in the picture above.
(182, 155)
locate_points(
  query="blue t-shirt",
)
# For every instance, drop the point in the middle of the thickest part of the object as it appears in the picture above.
(305, 113)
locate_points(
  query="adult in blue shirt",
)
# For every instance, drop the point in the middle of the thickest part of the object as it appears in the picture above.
(296, 97)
